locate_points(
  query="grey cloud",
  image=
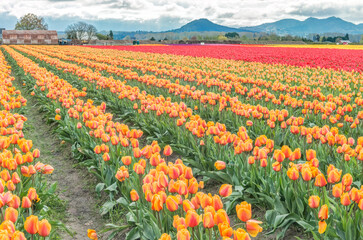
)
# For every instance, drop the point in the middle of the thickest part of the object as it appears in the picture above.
(62, 0)
(122, 4)
(314, 11)
(163, 23)
(226, 15)
(183, 4)
(209, 11)
(323, 11)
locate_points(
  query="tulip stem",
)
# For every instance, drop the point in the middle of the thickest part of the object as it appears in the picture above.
(193, 233)
(210, 233)
(158, 216)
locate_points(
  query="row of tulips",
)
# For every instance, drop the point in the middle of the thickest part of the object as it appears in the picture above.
(166, 186)
(324, 135)
(261, 157)
(333, 108)
(23, 189)
(228, 81)
(311, 58)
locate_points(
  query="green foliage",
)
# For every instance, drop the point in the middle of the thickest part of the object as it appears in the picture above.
(31, 21)
(231, 35)
(101, 36)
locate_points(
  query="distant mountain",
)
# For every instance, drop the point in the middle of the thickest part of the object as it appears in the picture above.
(204, 25)
(310, 25)
(293, 27)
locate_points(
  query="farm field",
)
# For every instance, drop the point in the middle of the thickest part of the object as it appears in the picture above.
(337, 57)
(189, 142)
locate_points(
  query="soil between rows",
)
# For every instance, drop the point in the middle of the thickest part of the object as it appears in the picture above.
(74, 184)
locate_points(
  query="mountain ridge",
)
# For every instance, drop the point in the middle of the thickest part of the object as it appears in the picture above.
(281, 27)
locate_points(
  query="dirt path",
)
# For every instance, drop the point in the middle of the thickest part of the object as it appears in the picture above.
(74, 184)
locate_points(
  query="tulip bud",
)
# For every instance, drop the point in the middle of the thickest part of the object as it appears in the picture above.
(11, 214)
(220, 165)
(225, 190)
(244, 212)
(167, 151)
(324, 212)
(322, 226)
(31, 224)
(192, 218)
(314, 201)
(44, 228)
(134, 195)
(208, 221)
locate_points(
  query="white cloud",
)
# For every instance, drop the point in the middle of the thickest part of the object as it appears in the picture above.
(169, 14)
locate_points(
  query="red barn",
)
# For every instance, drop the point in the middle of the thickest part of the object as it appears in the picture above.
(38, 37)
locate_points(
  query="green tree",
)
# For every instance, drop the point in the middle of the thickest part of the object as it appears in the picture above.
(231, 35)
(111, 35)
(31, 21)
(361, 39)
(152, 39)
(222, 38)
(101, 36)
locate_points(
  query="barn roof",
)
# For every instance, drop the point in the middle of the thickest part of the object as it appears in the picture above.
(38, 32)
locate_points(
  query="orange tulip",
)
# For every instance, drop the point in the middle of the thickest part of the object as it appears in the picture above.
(126, 160)
(220, 217)
(293, 173)
(192, 218)
(208, 220)
(334, 176)
(347, 180)
(165, 236)
(279, 156)
(156, 203)
(134, 195)
(44, 228)
(32, 194)
(306, 174)
(263, 162)
(314, 201)
(92, 234)
(217, 202)
(171, 203)
(31, 224)
(337, 190)
(344, 199)
(18, 236)
(360, 204)
(310, 154)
(11, 214)
(253, 227)
(220, 165)
(240, 234)
(179, 223)
(225, 230)
(225, 190)
(26, 203)
(276, 166)
(324, 212)
(244, 212)
(167, 150)
(320, 180)
(183, 234)
(322, 226)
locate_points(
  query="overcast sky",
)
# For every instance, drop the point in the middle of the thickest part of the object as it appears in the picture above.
(159, 15)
